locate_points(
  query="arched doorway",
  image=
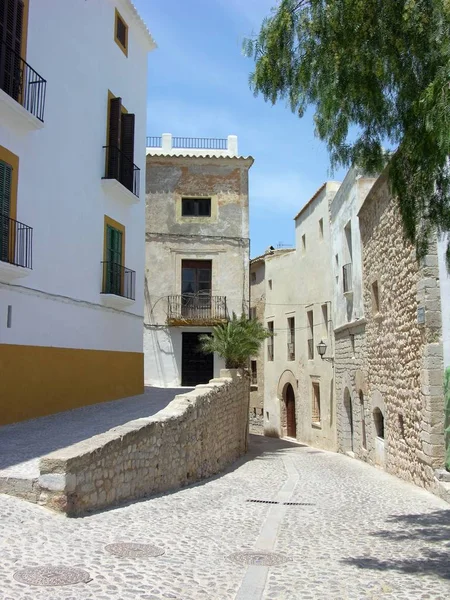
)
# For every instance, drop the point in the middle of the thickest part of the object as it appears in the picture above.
(348, 422)
(289, 399)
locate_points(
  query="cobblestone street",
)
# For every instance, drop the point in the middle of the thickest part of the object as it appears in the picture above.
(357, 533)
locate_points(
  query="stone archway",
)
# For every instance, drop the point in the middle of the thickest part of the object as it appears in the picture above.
(286, 394)
(347, 425)
(289, 401)
(378, 425)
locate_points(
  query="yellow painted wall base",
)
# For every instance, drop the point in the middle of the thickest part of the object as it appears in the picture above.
(37, 381)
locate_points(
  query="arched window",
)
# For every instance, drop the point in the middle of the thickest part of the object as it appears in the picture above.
(378, 420)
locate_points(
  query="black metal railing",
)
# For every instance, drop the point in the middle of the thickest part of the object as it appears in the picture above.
(310, 348)
(154, 141)
(197, 308)
(16, 242)
(118, 280)
(347, 278)
(22, 82)
(120, 167)
(199, 143)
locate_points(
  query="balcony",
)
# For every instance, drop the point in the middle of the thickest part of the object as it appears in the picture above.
(196, 309)
(22, 90)
(16, 245)
(118, 285)
(347, 281)
(187, 146)
(122, 177)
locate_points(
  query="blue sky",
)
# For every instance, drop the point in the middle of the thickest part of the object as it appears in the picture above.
(198, 87)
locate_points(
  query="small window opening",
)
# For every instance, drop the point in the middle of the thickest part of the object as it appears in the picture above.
(196, 207)
(378, 420)
(375, 297)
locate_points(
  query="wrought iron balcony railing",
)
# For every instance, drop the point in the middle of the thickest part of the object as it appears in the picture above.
(347, 278)
(16, 242)
(120, 167)
(197, 309)
(22, 82)
(118, 280)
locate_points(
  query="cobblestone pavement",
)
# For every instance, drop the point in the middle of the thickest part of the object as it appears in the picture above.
(359, 533)
(23, 444)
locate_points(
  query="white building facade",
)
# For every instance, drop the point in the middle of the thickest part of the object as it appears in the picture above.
(73, 87)
(197, 253)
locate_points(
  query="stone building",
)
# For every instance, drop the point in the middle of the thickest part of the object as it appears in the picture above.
(348, 312)
(197, 253)
(298, 383)
(391, 399)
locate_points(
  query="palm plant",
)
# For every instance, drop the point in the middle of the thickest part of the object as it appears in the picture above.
(235, 341)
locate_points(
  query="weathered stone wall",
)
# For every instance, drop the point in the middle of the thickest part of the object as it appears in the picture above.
(196, 436)
(403, 363)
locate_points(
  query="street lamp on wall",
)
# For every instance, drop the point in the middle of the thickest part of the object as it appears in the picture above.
(321, 349)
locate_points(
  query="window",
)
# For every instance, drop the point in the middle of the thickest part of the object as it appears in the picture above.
(113, 257)
(9, 165)
(270, 341)
(254, 374)
(196, 207)
(324, 321)
(363, 421)
(315, 417)
(270, 284)
(291, 338)
(348, 240)
(321, 229)
(304, 243)
(253, 312)
(375, 298)
(310, 325)
(196, 278)
(121, 33)
(120, 145)
(253, 277)
(347, 278)
(352, 344)
(378, 420)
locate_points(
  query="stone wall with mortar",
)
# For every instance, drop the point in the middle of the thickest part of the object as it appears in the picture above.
(197, 435)
(403, 367)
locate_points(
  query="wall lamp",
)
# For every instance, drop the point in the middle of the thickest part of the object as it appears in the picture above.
(321, 349)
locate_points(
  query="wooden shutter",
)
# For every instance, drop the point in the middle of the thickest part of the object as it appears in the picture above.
(113, 160)
(11, 34)
(5, 206)
(127, 147)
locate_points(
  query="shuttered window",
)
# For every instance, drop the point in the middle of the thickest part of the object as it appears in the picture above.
(121, 33)
(114, 257)
(5, 207)
(11, 37)
(120, 141)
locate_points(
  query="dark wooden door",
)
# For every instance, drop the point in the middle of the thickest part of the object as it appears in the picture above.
(196, 367)
(290, 412)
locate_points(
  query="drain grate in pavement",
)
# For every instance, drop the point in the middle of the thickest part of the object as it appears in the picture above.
(258, 558)
(264, 501)
(133, 550)
(283, 503)
(52, 576)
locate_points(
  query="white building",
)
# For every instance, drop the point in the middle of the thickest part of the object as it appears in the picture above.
(72, 157)
(197, 253)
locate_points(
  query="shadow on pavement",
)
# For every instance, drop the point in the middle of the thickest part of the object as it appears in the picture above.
(429, 528)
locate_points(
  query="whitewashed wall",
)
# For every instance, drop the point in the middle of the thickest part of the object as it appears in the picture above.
(71, 44)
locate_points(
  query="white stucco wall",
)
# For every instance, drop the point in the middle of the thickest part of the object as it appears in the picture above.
(60, 194)
(344, 213)
(445, 298)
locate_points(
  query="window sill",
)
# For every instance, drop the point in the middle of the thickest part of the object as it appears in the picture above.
(316, 425)
(253, 387)
(113, 301)
(15, 116)
(9, 272)
(348, 294)
(118, 191)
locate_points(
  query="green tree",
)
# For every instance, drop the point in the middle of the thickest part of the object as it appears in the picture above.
(235, 341)
(377, 73)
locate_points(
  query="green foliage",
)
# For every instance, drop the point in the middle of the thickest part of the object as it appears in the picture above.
(447, 416)
(236, 341)
(380, 68)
